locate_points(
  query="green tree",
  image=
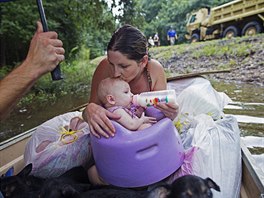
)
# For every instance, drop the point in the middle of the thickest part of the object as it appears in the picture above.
(79, 23)
(17, 25)
(160, 15)
(130, 13)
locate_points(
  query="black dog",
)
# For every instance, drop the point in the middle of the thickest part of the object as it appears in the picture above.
(75, 184)
(21, 185)
(70, 184)
(188, 186)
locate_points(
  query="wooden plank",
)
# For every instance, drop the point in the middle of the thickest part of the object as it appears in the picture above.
(196, 74)
(18, 164)
(252, 176)
(243, 193)
(79, 108)
(248, 119)
(13, 151)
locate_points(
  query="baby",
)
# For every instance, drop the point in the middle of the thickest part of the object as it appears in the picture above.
(115, 95)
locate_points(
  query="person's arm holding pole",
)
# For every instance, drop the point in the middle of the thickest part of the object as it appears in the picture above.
(45, 53)
(56, 73)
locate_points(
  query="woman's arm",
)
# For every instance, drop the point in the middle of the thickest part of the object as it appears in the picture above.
(97, 116)
(159, 82)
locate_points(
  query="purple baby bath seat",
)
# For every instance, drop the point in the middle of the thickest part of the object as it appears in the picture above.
(138, 158)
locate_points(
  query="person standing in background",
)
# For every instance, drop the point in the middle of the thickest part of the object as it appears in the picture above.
(156, 40)
(151, 42)
(172, 36)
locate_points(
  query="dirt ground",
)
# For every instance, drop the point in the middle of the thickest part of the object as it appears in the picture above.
(246, 68)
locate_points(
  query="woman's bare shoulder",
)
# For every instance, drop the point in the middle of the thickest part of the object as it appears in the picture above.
(104, 68)
(103, 63)
(157, 75)
(154, 65)
(102, 71)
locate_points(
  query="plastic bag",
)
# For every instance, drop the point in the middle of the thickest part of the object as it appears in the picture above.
(218, 155)
(187, 166)
(197, 96)
(58, 145)
(202, 98)
(210, 138)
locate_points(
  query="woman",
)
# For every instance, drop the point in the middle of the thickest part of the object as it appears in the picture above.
(127, 58)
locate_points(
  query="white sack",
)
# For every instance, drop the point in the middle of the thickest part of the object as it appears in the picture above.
(58, 145)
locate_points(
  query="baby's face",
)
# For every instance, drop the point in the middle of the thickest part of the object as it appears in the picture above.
(123, 95)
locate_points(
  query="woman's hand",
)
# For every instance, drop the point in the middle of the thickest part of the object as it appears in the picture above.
(98, 120)
(169, 110)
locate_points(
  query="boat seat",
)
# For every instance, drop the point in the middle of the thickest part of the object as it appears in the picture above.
(138, 158)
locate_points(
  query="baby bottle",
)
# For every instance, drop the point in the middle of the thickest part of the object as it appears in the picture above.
(147, 99)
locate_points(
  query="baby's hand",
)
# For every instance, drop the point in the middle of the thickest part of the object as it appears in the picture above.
(147, 119)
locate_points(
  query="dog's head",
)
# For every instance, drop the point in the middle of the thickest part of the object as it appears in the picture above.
(188, 186)
(21, 183)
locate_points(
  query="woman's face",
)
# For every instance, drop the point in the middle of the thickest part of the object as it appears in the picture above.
(123, 67)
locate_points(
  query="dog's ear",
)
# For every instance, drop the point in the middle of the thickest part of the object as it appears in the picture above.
(26, 171)
(211, 184)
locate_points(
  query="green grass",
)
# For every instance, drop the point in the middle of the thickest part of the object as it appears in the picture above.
(231, 49)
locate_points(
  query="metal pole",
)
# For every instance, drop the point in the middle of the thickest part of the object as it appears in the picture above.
(56, 73)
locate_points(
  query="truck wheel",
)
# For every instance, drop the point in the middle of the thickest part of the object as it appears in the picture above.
(230, 32)
(251, 29)
(195, 38)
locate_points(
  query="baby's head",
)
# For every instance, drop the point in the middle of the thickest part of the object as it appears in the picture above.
(114, 92)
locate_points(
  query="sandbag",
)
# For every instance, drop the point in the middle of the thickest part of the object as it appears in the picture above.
(218, 155)
(58, 145)
(212, 149)
(210, 138)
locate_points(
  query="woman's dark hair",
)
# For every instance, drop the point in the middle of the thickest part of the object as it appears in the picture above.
(129, 41)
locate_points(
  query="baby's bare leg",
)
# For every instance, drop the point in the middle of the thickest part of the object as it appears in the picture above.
(144, 126)
(94, 177)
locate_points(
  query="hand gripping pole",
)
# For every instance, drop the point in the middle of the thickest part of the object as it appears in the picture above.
(56, 73)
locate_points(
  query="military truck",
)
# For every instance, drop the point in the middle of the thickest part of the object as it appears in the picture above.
(236, 18)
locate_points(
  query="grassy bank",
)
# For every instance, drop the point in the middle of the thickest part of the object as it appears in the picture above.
(243, 55)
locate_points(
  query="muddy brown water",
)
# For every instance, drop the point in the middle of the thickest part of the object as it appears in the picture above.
(25, 118)
(251, 99)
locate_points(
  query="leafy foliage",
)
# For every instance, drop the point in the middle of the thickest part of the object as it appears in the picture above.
(78, 22)
(160, 15)
(89, 23)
